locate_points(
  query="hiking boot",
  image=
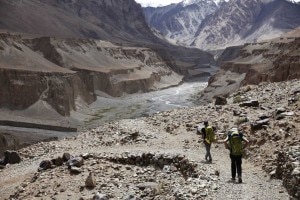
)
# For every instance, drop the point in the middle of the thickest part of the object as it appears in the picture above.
(240, 180)
(233, 179)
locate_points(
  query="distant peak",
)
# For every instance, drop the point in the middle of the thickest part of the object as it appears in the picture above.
(192, 1)
(294, 1)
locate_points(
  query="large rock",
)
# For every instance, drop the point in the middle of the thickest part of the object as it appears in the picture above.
(45, 164)
(259, 124)
(58, 161)
(11, 157)
(220, 100)
(253, 103)
(90, 181)
(75, 170)
(77, 162)
(66, 157)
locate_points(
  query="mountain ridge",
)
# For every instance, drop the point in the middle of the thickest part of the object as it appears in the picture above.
(246, 21)
(117, 21)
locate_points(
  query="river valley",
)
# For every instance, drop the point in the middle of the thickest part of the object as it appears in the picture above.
(106, 109)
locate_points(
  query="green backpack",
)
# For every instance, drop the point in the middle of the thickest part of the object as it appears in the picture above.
(236, 143)
(210, 135)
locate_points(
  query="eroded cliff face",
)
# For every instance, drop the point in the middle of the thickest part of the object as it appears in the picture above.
(268, 61)
(64, 71)
(21, 89)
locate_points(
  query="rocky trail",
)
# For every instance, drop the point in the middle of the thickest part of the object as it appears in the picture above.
(256, 183)
(160, 157)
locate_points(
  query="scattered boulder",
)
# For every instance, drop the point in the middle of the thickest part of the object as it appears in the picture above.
(134, 135)
(58, 161)
(99, 196)
(11, 157)
(90, 181)
(253, 103)
(297, 91)
(66, 157)
(77, 162)
(217, 172)
(45, 164)
(220, 100)
(279, 111)
(86, 156)
(236, 113)
(282, 115)
(288, 113)
(151, 185)
(263, 116)
(75, 170)
(259, 124)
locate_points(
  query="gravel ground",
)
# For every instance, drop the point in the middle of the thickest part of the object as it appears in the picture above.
(206, 186)
(117, 153)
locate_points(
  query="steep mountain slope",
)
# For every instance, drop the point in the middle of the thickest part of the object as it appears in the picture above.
(178, 23)
(118, 21)
(266, 61)
(237, 22)
(230, 23)
(100, 19)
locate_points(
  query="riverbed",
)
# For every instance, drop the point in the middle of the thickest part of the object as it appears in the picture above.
(106, 109)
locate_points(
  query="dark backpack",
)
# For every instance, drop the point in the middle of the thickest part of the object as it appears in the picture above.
(201, 131)
(236, 143)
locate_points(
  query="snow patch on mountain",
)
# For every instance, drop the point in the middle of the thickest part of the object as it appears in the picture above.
(178, 23)
(215, 24)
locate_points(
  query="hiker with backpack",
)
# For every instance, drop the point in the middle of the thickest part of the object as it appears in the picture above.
(234, 142)
(208, 136)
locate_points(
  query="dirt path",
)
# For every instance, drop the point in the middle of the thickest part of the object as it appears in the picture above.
(257, 184)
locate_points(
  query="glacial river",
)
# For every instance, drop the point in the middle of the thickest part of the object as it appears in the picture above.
(137, 105)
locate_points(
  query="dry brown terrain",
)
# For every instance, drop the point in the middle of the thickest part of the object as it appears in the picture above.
(65, 72)
(161, 157)
(266, 61)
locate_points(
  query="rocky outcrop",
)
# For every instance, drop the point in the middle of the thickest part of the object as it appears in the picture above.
(8, 142)
(21, 89)
(269, 61)
(288, 169)
(230, 53)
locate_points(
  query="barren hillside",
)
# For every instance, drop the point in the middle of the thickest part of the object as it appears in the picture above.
(64, 73)
(267, 61)
(161, 157)
(117, 21)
